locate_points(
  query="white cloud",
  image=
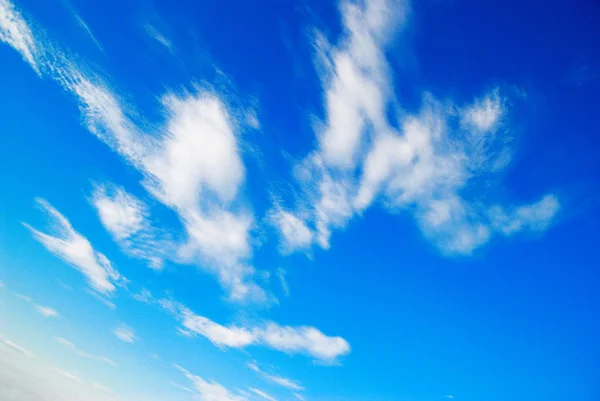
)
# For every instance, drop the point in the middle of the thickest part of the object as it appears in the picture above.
(236, 337)
(209, 391)
(76, 250)
(122, 214)
(535, 217)
(198, 171)
(87, 30)
(299, 397)
(84, 354)
(126, 218)
(46, 311)
(16, 347)
(355, 83)
(15, 32)
(193, 165)
(153, 33)
(282, 381)
(293, 230)
(304, 339)
(292, 340)
(144, 296)
(81, 22)
(66, 374)
(485, 113)
(262, 394)
(24, 378)
(281, 273)
(423, 163)
(125, 333)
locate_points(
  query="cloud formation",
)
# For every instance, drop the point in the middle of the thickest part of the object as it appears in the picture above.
(125, 333)
(126, 218)
(154, 34)
(191, 163)
(424, 164)
(44, 310)
(82, 353)
(262, 394)
(15, 32)
(292, 340)
(209, 391)
(75, 249)
(25, 377)
(279, 380)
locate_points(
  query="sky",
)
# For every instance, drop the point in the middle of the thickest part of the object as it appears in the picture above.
(299, 200)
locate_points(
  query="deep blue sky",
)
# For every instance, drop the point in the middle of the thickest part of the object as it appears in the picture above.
(495, 300)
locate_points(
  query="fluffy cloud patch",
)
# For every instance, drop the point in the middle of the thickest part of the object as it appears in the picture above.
(126, 218)
(534, 217)
(293, 230)
(484, 114)
(75, 249)
(122, 214)
(423, 163)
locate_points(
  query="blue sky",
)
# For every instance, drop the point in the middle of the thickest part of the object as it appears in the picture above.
(241, 201)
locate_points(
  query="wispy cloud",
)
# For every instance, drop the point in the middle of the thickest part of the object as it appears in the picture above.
(84, 354)
(66, 374)
(295, 234)
(76, 250)
(87, 30)
(16, 347)
(44, 310)
(424, 164)
(81, 22)
(153, 33)
(282, 381)
(103, 389)
(126, 218)
(194, 166)
(262, 394)
(281, 275)
(27, 377)
(125, 333)
(15, 32)
(293, 340)
(209, 391)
